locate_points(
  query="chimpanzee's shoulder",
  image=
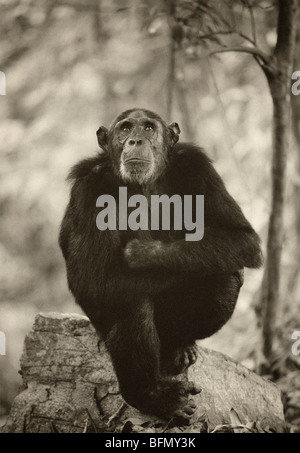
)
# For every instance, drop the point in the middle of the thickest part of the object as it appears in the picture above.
(190, 158)
(88, 167)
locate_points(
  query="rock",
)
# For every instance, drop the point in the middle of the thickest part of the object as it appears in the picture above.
(69, 386)
(228, 385)
(67, 376)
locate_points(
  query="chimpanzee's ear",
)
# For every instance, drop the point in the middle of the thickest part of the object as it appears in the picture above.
(174, 131)
(102, 137)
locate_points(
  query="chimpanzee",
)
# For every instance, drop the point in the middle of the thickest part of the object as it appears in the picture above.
(150, 293)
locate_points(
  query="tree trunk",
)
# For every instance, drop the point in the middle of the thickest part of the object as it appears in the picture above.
(279, 83)
(294, 277)
(172, 54)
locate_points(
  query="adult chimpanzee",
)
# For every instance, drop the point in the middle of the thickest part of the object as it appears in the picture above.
(151, 294)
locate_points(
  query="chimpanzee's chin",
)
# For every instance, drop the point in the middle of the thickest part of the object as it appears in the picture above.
(137, 178)
(135, 174)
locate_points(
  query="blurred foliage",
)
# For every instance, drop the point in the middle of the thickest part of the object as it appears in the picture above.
(72, 65)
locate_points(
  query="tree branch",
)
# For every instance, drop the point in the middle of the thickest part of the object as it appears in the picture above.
(253, 26)
(250, 50)
(227, 32)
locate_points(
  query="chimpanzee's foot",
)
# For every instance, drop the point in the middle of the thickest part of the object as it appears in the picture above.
(179, 360)
(167, 399)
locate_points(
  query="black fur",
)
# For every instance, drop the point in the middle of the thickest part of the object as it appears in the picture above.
(150, 294)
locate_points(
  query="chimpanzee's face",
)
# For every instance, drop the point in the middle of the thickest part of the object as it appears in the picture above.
(139, 142)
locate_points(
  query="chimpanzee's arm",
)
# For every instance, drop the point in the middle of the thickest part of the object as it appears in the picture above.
(229, 241)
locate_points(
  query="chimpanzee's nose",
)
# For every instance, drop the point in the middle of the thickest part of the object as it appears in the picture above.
(135, 142)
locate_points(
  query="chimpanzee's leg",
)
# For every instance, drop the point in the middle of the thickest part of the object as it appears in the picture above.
(193, 311)
(135, 350)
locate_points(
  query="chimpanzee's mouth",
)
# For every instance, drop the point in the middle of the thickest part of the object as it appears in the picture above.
(136, 160)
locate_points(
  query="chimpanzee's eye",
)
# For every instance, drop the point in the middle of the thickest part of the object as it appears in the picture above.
(126, 127)
(149, 127)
